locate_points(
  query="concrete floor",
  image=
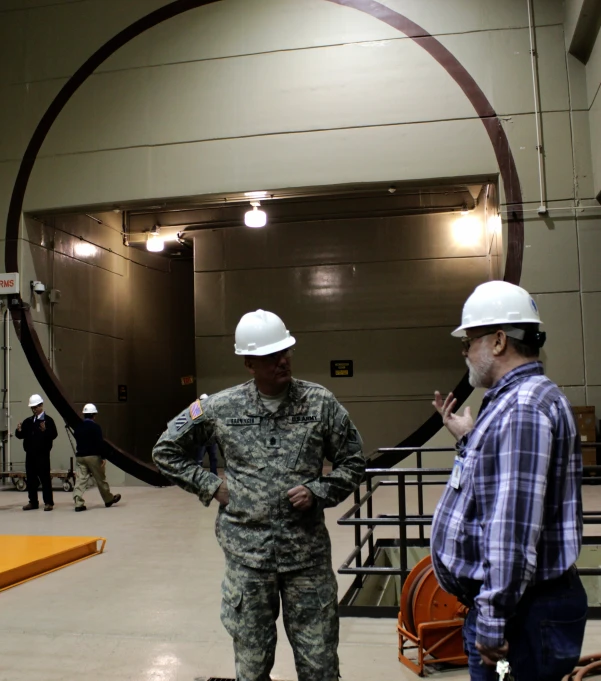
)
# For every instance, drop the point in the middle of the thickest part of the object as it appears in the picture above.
(148, 608)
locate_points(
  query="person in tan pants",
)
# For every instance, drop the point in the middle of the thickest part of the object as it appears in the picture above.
(90, 460)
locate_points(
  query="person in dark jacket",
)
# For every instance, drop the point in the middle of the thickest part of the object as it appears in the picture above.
(37, 432)
(90, 460)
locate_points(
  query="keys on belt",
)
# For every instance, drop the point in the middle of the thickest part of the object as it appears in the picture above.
(504, 670)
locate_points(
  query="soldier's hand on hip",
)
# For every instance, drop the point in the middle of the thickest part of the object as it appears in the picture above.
(457, 424)
(222, 494)
(301, 497)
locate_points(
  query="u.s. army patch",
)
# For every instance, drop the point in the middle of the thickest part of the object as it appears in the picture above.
(305, 418)
(195, 410)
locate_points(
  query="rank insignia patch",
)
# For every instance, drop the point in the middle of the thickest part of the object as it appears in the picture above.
(195, 410)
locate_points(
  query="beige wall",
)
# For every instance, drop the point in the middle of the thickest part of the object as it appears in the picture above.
(279, 93)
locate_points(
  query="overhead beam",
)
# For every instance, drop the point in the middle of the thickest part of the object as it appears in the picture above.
(586, 30)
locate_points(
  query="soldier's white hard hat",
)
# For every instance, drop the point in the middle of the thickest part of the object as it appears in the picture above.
(261, 333)
(90, 409)
(498, 303)
(35, 401)
(203, 396)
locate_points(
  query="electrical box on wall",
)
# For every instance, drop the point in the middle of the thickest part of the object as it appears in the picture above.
(3, 419)
(54, 295)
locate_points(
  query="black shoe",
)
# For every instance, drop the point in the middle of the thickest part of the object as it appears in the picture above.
(48, 507)
(31, 507)
(114, 500)
(80, 508)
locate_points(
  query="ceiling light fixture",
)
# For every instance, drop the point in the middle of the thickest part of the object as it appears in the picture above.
(255, 218)
(154, 242)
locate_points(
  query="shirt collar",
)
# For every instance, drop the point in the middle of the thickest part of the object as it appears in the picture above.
(257, 407)
(524, 371)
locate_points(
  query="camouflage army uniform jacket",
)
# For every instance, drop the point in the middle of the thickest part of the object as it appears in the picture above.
(266, 454)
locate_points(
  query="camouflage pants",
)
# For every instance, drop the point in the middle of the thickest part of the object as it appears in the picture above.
(251, 606)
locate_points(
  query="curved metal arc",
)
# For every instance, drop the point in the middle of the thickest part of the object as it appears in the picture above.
(24, 326)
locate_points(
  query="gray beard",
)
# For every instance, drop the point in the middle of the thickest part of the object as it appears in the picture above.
(479, 375)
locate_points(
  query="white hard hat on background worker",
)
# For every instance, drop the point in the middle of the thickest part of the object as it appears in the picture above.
(260, 333)
(90, 409)
(35, 401)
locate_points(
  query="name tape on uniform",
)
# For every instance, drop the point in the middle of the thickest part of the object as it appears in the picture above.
(249, 421)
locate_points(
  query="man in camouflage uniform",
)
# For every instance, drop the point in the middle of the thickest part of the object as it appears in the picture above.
(274, 432)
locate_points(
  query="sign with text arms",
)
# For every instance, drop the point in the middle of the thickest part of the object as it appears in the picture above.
(9, 283)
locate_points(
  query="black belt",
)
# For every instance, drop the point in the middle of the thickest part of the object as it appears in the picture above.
(546, 586)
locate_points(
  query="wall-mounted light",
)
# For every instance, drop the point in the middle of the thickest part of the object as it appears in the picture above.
(84, 249)
(154, 242)
(255, 217)
(467, 231)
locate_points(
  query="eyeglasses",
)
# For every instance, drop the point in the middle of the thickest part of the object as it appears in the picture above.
(277, 356)
(467, 341)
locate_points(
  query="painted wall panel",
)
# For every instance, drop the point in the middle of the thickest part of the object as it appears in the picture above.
(324, 88)
(452, 149)
(562, 354)
(551, 254)
(362, 296)
(521, 131)
(589, 235)
(591, 318)
(334, 241)
(595, 128)
(251, 27)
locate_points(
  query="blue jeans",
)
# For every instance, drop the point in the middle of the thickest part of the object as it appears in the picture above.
(212, 449)
(545, 634)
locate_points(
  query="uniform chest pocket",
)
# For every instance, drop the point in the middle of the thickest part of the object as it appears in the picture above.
(305, 453)
(241, 445)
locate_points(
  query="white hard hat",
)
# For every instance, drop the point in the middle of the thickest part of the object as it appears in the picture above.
(203, 396)
(496, 303)
(90, 409)
(35, 401)
(261, 333)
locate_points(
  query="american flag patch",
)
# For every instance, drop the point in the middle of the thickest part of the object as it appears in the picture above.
(195, 410)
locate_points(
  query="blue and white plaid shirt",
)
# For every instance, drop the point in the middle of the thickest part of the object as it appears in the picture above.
(516, 518)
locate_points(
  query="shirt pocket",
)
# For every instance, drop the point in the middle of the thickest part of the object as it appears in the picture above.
(241, 447)
(468, 468)
(306, 451)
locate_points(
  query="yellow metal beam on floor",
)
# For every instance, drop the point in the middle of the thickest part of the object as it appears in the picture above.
(26, 557)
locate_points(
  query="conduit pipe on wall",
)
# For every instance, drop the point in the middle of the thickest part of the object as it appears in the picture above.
(542, 209)
(6, 391)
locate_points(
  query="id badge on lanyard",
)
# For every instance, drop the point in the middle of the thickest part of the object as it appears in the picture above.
(455, 480)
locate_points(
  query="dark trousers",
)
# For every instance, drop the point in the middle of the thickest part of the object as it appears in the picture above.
(212, 449)
(545, 634)
(37, 470)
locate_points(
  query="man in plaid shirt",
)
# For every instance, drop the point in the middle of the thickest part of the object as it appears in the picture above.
(508, 527)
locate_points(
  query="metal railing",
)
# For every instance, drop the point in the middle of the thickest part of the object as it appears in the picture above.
(402, 520)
